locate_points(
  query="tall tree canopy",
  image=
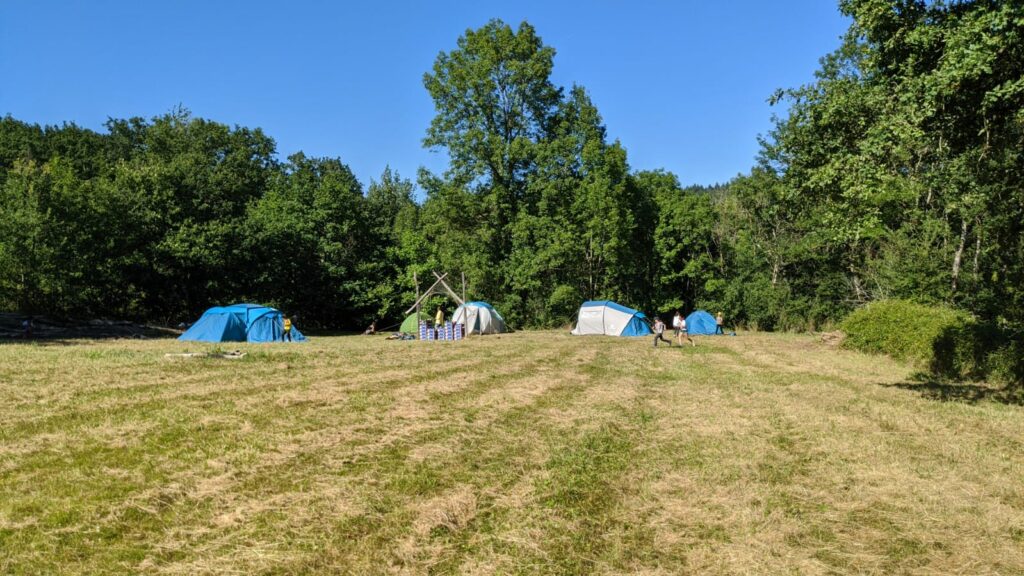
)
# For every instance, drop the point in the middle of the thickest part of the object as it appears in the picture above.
(532, 180)
(161, 219)
(901, 164)
(895, 173)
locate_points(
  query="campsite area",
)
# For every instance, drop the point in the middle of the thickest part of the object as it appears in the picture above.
(523, 453)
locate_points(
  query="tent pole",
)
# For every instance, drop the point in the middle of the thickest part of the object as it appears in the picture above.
(431, 290)
(463, 286)
(417, 281)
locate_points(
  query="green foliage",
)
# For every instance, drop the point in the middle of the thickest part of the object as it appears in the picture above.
(310, 237)
(1006, 364)
(892, 175)
(902, 157)
(946, 342)
(494, 99)
(537, 206)
(159, 220)
(689, 264)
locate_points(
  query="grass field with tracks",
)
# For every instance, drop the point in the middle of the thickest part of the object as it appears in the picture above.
(528, 453)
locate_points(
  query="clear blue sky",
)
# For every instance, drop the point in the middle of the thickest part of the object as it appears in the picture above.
(682, 84)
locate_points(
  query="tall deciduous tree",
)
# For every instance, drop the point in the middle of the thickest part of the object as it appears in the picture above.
(904, 153)
(494, 101)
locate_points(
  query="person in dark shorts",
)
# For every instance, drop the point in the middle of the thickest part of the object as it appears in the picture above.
(286, 336)
(659, 332)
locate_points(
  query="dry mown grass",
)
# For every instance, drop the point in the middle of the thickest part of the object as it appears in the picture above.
(521, 454)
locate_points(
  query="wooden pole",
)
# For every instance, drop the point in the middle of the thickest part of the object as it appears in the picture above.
(433, 290)
(417, 281)
(463, 286)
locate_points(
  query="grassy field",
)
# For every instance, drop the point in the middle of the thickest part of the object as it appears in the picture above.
(529, 453)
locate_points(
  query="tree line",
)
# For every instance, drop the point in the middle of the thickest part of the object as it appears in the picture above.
(894, 174)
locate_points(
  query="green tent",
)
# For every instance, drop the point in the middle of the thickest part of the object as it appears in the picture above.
(410, 325)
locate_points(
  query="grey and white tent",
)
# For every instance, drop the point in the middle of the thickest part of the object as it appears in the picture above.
(479, 318)
(611, 319)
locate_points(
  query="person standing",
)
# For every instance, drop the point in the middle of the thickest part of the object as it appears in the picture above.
(439, 323)
(719, 321)
(659, 332)
(286, 336)
(677, 323)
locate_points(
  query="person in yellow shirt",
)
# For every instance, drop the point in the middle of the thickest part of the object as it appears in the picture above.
(287, 336)
(439, 318)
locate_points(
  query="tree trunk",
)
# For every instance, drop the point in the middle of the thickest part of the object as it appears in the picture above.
(859, 293)
(977, 249)
(590, 267)
(958, 258)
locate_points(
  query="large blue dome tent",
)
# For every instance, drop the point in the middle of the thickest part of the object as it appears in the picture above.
(609, 318)
(240, 323)
(701, 323)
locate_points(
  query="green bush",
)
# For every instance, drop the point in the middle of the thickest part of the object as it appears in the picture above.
(947, 343)
(1006, 365)
(562, 305)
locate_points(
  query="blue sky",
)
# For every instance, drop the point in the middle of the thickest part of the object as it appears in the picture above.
(683, 85)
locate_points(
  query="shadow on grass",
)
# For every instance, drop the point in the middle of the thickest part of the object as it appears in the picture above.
(966, 392)
(37, 342)
(76, 339)
(329, 333)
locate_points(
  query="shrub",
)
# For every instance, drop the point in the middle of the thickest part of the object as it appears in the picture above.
(562, 305)
(1006, 365)
(947, 343)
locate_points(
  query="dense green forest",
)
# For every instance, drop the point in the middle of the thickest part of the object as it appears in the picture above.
(897, 173)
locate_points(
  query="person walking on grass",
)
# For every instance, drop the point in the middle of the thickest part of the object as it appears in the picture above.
(286, 335)
(719, 321)
(677, 323)
(659, 332)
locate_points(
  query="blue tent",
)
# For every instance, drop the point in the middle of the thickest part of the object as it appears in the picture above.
(700, 323)
(609, 318)
(240, 323)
